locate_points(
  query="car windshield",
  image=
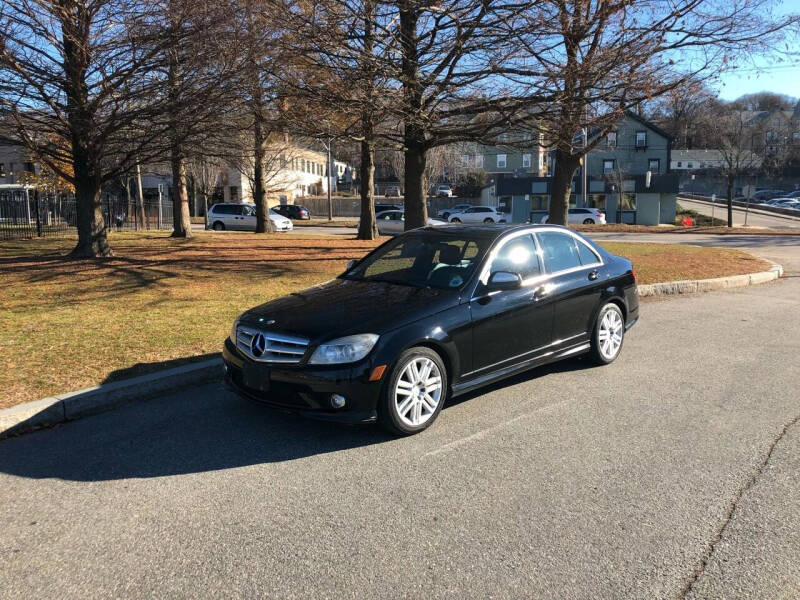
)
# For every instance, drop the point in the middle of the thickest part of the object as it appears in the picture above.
(425, 260)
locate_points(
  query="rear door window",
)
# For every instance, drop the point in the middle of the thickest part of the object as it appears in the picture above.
(560, 251)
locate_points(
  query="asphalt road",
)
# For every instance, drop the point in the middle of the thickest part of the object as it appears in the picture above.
(671, 473)
(754, 217)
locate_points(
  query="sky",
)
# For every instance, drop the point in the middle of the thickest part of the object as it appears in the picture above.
(781, 78)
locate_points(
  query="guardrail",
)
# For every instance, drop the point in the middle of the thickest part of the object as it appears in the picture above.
(777, 211)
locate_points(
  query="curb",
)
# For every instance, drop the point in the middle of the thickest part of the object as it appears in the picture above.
(74, 405)
(691, 286)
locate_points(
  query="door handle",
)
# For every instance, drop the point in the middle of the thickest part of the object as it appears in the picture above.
(540, 292)
(593, 275)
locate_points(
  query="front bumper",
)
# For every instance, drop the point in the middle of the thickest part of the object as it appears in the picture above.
(306, 390)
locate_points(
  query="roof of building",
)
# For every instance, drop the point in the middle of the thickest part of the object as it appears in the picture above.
(697, 155)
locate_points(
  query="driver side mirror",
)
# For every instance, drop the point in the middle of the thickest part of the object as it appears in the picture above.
(504, 280)
(350, 264)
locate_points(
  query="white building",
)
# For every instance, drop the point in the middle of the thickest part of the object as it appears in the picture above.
(692, 160)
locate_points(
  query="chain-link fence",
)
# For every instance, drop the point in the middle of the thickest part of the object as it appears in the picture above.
(351, 206)
(26, 214)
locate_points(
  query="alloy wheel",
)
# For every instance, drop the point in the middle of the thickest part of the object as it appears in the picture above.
(609, 335)
(418, 391)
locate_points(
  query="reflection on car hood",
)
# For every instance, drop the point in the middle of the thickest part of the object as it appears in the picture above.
(343, 307)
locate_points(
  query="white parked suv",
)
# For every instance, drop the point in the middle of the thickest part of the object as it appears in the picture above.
(583, 216)
(478, 214)
(446, 212)
(236, 216)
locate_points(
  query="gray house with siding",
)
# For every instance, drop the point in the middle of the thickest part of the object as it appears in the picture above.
(617, 180)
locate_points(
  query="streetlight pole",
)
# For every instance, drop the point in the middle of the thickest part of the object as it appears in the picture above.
(328, 175)
(585, 166)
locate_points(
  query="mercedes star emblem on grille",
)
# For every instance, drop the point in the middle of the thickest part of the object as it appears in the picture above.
(258, 345)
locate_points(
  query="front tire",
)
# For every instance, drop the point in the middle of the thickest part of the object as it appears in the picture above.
(487, 220)
(219, 226)
(608, 334)
(446, 215)
(456, 220)
(415, 392)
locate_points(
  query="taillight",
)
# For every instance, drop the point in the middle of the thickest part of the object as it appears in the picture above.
(634, 275)
(601, 215)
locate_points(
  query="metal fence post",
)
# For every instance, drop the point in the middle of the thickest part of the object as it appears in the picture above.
(38, 217)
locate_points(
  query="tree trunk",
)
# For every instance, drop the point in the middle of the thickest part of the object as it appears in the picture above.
(367, 228)
(563, 172)
(181, 222)
(92, 239)
(415, 196)
(414, 135)
(730, 201)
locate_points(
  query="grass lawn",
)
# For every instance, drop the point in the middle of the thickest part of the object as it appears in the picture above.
(66, 324)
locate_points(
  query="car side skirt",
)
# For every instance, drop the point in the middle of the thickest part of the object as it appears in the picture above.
(542, 359)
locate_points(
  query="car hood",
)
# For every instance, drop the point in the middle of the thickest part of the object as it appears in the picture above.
(344, 307)
(277, 218)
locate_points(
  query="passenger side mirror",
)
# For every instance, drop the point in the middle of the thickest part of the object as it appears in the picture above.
(504, 280)
(350, 264)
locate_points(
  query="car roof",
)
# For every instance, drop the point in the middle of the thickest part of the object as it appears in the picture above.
(488, 230)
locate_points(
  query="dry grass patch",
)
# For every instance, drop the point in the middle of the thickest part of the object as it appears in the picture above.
(66, 324)
(655, 263)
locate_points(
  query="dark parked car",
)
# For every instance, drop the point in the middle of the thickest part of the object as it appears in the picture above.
(384, 207)
(293, 211)
(429, 315)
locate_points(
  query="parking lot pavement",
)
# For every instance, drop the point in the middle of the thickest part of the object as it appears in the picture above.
(568, 482)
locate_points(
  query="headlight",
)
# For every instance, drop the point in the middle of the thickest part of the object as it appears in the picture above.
(344, 350)
(233, 331)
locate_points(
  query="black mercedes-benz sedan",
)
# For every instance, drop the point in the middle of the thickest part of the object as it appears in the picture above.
(429, 315)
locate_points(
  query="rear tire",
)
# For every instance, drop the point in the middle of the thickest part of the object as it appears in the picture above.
(588, 222)
(608, 334)
(456, 220)
(219, 226)
(446, 215)
(487, 220)
(413, 395)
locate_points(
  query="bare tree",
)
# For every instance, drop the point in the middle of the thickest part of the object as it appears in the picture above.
(458, 80)
(72, 74)
(733, 136)
(603, 57)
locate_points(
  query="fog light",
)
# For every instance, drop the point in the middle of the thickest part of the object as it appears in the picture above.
(337, 401)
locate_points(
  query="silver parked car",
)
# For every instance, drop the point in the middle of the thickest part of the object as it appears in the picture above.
(241, 216)
(392, 222)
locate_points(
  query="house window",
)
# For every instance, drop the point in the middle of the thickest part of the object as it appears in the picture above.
(654, 165)
(502, 137)
(608, 166)
(540, 202)
(690, 165)
(234, 193)
(611, 139)
(596, 201)
(769, 135)
(627, 201)
(465, 160)
(526, 161)
(501, 161)
(680, 164)
(479, 161)
(796, 135)
(641, 139)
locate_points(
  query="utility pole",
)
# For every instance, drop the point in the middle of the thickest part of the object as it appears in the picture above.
(585, 166)
(140, 198)
(328, 175)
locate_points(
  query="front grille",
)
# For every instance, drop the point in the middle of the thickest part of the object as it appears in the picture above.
(278, 348)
